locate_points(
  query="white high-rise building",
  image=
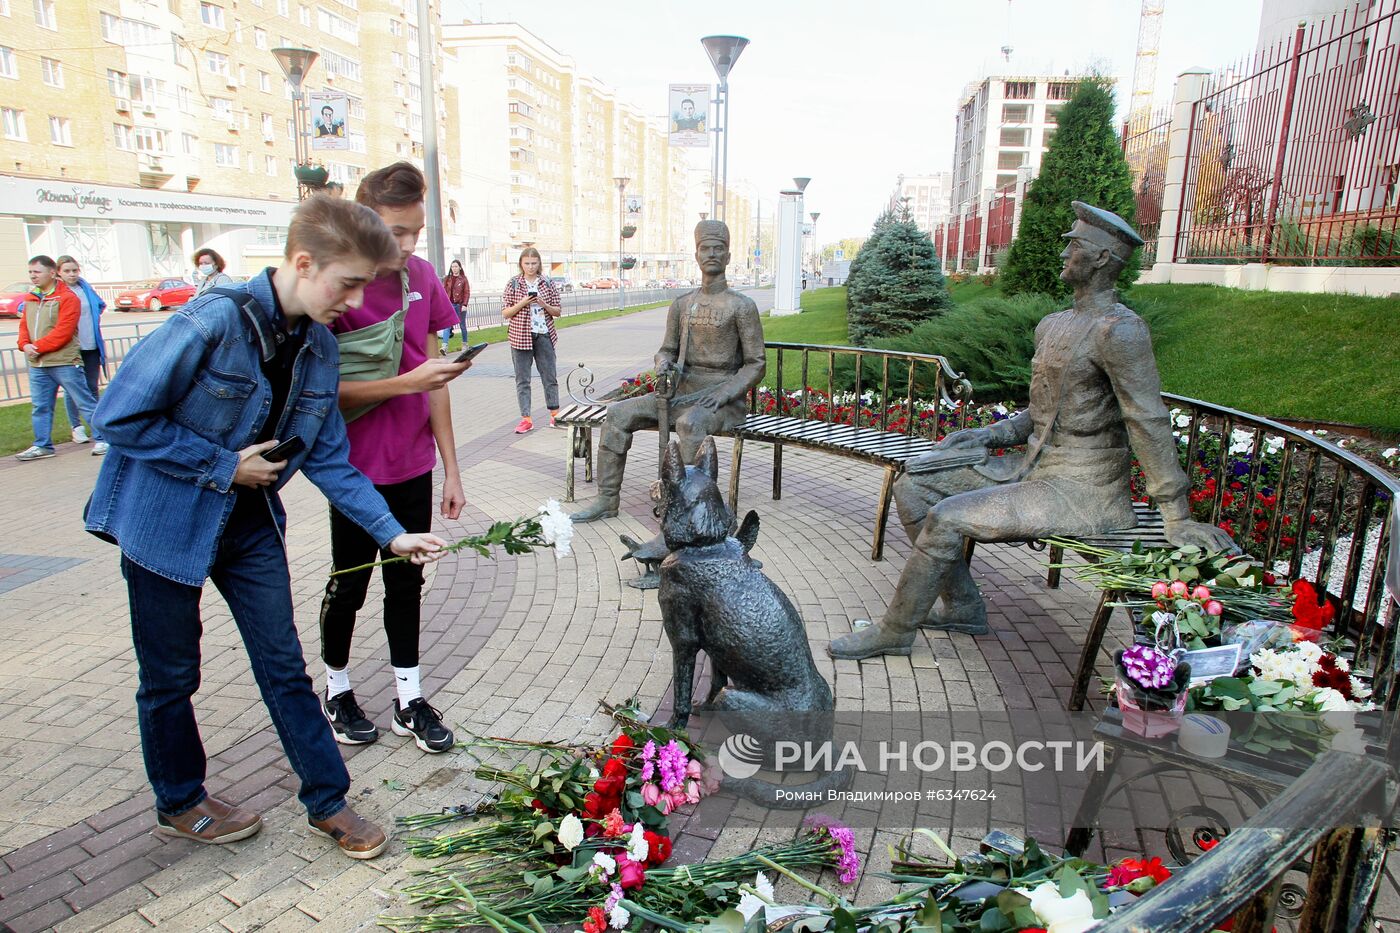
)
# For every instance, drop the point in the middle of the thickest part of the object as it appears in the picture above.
(927, 197)
(1003, 125)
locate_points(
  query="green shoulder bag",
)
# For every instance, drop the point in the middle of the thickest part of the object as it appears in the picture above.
(373, 352)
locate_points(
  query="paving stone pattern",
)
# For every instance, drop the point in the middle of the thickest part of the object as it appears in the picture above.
(517, 647)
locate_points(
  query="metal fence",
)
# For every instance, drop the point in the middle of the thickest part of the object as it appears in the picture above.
(1146, 140)
(120, 336)
(1295, 156)
(1000, 216)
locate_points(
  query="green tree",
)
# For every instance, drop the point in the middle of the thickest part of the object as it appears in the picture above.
(896, 283)
(1084, 163)
(849, 247)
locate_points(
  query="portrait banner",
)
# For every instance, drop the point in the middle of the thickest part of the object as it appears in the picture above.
(689, 109)
(329, 112)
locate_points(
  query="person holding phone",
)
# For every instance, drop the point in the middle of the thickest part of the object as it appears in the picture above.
(459, 292)
(393, 445)
(530, 303)
(188, 494)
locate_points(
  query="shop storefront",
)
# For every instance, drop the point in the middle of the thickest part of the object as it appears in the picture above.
(131, 234)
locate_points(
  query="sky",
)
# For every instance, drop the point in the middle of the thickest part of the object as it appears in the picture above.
(853, 94)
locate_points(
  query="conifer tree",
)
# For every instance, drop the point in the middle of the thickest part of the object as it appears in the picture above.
(896, 282)
(1084, 163)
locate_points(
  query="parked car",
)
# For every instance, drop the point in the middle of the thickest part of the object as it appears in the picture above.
(155, 295)
(601, 282)
(12, 299)
(562, 282)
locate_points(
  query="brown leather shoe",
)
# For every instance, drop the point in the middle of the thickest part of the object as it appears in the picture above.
(356, 836)
(212, 821)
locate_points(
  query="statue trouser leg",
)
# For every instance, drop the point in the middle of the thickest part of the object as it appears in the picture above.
(915, 497)
(612, 460)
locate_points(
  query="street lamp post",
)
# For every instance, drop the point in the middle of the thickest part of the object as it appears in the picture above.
(724, 51)
(295, 63)
(621, 182)
(816, 258)
(800, 257)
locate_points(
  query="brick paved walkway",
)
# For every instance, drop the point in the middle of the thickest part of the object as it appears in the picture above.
(521, 648)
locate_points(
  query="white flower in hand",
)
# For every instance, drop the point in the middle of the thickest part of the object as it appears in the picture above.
(570, 832)
(752, 903)
(557, 528)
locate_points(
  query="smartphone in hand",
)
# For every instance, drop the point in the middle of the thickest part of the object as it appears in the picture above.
(285, 450)
(470, 353)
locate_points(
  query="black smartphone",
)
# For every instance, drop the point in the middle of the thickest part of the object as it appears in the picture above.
(470, 353)
(285, 450)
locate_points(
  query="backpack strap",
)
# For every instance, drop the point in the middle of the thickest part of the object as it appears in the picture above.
(249, 305)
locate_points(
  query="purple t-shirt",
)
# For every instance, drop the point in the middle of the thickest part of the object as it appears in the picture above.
(394, 441)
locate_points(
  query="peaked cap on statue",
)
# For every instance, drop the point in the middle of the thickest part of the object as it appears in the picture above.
(1104, 228)
(712, 230)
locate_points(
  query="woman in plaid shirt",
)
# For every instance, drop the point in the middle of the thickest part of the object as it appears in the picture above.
(531, 303)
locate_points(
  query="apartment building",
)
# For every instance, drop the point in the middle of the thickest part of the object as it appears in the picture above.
(1003, 126)
(541, 143)
(135, 132)
(928, 198)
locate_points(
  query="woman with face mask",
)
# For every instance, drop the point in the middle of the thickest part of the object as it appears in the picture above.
(211, 271)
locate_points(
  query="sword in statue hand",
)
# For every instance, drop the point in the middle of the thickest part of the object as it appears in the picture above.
(667, 382)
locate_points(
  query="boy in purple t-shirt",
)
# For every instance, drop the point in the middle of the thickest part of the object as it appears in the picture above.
(393, 444)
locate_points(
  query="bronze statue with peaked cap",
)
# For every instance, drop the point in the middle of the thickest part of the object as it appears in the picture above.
(712, 353)
(1095, 402)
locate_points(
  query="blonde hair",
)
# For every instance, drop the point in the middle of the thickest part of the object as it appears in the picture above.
(527, 253)
(330, 229)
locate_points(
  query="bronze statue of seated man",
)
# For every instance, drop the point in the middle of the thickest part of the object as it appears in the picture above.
(1095, 402)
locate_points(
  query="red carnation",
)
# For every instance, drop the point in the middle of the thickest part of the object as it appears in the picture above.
(622, 743)
(1311, 610)
(614, 767)
(658, 848)
(1329, 674)
(597, 921)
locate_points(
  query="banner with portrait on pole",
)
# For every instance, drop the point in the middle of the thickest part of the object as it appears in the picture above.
(329, 112)
(689, 110)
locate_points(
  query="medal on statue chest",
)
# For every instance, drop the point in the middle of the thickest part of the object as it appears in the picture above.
(706, 313)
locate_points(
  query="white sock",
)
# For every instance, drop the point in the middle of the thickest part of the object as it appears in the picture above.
(406, 682)
(337, 681)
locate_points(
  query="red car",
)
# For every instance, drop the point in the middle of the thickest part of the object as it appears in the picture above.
(155, 295)
(12, 298)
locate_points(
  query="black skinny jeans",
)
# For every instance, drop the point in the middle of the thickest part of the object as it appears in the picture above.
(412, 504)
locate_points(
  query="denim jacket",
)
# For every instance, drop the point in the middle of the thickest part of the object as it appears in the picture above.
(186, 399)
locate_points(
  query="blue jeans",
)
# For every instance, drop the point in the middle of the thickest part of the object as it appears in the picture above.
(92, 368)
(44, 382)
(250, 571)
(446, 332)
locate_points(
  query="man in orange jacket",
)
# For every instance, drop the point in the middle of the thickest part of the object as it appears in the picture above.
(48, 335)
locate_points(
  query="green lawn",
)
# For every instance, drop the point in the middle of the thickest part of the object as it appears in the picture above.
(1279, 354)
(1287, 355)
(16, 433)
(823, 320)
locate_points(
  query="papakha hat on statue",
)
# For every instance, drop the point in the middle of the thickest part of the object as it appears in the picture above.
(712, 230)
(1104, 228)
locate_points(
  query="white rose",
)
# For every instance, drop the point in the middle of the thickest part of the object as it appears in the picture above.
(570, 832)
(1051, 908)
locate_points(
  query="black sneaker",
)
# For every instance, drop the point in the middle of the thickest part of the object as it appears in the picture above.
(424, 723)
(348, 720)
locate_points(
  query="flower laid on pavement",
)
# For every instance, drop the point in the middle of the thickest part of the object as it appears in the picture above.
(753, 901)
(557, 528)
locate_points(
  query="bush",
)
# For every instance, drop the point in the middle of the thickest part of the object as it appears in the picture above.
(895, 282)
(990, 341)
(1084, 163)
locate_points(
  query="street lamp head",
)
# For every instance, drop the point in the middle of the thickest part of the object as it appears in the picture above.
(295, 63)
(621, 181)
(802, 183)
(724, 51)
(704, 215)
(815, 215)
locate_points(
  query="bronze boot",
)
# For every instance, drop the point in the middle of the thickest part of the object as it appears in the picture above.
(919, 585)
(963, 608)
(605, 504)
